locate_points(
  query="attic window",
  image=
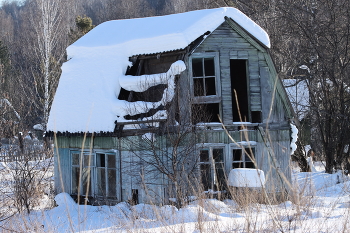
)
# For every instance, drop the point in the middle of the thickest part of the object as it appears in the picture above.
(205, 87)
(204, 81)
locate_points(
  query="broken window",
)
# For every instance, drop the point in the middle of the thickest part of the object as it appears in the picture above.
(239, 87)
(243, 158)
(212, 168)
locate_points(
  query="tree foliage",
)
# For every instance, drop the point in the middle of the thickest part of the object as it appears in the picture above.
(84, 25)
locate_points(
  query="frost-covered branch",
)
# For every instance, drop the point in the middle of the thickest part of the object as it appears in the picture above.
(7, 102)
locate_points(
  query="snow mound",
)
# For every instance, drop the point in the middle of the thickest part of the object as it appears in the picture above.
(287, 204)
(168, 212)
(194, 213)
(146, 211)
(212, 205)
(246, 177)
(64, 199)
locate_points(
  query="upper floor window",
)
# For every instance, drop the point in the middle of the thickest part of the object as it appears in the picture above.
(203, 71)
(205, 85)
(205, 75)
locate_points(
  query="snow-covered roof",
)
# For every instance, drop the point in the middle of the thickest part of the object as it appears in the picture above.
(87, 96)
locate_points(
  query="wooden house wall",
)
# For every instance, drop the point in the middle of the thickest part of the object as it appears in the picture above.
(231, 45)
(62, 170)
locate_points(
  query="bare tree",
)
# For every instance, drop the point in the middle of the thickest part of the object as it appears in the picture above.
(321, 29)
(46, 24)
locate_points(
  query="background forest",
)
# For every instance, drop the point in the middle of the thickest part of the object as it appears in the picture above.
(310, 43)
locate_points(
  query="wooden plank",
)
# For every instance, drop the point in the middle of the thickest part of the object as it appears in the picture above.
(254, 82)
(242, 54)
(62, 170)
(254, 89)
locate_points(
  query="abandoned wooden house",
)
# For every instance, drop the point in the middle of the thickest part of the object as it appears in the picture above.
(147, 107)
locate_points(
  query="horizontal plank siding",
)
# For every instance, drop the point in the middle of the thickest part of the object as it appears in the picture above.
(231, 45)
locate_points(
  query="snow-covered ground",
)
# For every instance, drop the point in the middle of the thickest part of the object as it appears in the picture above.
(322, 205)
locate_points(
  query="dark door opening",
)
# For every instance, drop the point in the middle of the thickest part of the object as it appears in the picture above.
(239, 88)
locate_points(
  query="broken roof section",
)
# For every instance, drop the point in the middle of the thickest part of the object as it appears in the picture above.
(87, 96)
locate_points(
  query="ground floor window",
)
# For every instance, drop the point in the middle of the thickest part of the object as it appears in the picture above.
(243, 157)
(215, 163)
(212, 168)
(94, 174)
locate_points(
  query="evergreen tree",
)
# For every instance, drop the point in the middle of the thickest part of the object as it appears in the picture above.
(84, 25)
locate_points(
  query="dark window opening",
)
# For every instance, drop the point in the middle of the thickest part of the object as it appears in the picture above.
(239, 87)
(218, 155)
(150, 113)
(100, 160)
(256, 117)
(206, 176)
(243, 158)
(220, 183)
(212, 169)
(204, 156)
(152, 94)
(237, 154)
(205, 113)
(249, 157)
(135, 196)
(111, 161)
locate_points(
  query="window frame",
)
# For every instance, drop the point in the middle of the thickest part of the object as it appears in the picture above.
(243, 157)
(94, 192)
(210, 98)
(213, 165)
